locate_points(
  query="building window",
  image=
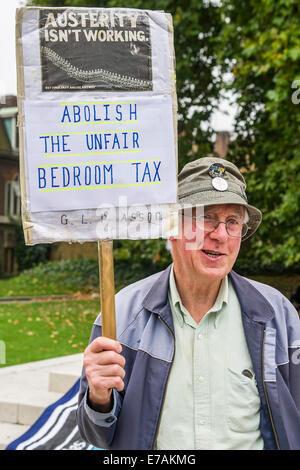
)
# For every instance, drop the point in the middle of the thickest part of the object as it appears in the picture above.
(13, 197)
(9, 260)
(12, 131)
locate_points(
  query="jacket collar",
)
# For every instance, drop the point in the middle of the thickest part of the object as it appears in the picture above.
(253, 304)
(157, 301)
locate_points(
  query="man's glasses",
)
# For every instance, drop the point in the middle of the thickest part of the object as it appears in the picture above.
(234, 228)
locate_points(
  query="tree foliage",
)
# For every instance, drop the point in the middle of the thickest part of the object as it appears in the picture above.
(28, 256)
(261, 41)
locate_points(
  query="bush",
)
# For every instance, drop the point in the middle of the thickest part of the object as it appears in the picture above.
(78, 274)
(255, 267)
(28, 256)
(150, 254)
(133, 260)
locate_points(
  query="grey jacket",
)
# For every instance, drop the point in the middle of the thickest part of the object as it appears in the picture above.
(145, 330)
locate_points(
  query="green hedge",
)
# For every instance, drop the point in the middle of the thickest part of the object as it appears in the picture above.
(28, 256)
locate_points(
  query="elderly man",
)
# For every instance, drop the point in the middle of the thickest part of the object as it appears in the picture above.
(204, 358)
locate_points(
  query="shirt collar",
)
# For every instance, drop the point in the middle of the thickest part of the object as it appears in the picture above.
(182, 313)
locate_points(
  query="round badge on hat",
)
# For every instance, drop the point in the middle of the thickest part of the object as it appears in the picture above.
(216, 170)
(219, 184)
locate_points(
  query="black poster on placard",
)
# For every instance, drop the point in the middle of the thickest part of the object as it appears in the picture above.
(95, 49)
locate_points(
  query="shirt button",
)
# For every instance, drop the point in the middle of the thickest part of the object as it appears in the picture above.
(200, 336)
(201, 379)
(110, 419)
(202, 421)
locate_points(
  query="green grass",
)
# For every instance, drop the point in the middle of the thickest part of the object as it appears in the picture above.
(40, 330)
(66, 277)
(34, 330)
(53, 278)
(21, 286)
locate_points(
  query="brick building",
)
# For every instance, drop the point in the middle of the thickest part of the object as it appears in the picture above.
(9, 184)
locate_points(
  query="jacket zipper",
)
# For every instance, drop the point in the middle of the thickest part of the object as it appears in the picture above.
(163, 401)
(265, 391)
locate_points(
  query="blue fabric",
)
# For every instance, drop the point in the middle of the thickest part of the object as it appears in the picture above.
(62, 433)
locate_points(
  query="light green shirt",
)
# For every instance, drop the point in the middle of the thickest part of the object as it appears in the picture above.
(209, 403)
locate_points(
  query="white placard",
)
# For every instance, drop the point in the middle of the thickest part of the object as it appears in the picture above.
(97, 114)
(92, 163)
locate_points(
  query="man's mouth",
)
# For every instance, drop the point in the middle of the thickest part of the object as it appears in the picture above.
(212, 254)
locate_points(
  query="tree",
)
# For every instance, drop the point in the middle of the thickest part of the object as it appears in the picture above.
(261, 41)
(28, 256)
(258, 41)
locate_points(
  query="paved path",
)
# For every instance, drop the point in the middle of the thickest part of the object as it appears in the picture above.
(37, 298)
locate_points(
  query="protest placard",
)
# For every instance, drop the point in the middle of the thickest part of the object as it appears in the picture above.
(98, 129)
(98, 124)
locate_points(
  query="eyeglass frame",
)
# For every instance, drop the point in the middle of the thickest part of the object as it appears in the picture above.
(243, 224)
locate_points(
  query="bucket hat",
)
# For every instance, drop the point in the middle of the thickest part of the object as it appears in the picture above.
(209, 181)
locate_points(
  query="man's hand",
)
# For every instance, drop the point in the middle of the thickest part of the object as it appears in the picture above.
(104, 369)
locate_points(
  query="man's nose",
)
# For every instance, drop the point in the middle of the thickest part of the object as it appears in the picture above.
(220, 233)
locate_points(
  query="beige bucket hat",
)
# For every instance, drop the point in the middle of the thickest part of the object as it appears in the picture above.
(209, 181)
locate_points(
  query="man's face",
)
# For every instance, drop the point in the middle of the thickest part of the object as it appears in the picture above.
(210, 255)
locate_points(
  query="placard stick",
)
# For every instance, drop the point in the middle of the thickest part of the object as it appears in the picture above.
(107, 288)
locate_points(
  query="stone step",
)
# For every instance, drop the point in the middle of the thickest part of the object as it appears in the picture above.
(27, 389)
(63, 376)
(61, 382)
(27, 408)
(9, 432)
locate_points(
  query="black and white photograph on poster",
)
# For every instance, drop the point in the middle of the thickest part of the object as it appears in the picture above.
(98, 123)
(97, 49)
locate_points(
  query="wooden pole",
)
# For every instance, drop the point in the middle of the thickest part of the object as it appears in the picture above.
(107, 288)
